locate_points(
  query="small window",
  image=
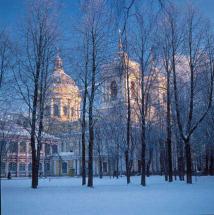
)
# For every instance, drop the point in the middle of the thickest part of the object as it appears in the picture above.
(13, 148)
(22, 167)
(56, 110)
(113, 90)
(64, 167)
(54, 149)
(22, 147)
(65, 110)
(47, 149)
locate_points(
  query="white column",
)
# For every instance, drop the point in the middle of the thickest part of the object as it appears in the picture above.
(60, 107)
(52, 107)
(26, 164)
(18, 143)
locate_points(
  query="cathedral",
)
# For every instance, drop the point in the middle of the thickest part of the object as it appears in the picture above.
(62, 147)
(111, 114)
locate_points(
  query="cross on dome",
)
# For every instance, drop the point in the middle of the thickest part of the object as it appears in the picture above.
(58, 61)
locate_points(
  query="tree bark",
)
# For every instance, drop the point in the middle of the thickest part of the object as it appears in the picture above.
(188, 162)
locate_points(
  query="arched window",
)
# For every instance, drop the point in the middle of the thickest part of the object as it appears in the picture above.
(56, 110)
(22, 147)
(133, 92)
(113, 90)
(65, 110)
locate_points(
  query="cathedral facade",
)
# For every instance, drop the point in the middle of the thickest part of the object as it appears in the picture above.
(121, 80)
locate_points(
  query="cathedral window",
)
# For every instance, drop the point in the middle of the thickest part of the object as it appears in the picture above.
(47, 149)
(65, 110)
(113, 90)
(56, 110)
(13, 148)
(54, 149)
(22, 147)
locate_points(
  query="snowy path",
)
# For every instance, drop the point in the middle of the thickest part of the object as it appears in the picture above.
(65, 196)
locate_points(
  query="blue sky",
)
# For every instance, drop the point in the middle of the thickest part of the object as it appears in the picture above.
(12, 10)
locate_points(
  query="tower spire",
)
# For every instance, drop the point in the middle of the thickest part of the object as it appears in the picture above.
(58, 61)
(120, 44)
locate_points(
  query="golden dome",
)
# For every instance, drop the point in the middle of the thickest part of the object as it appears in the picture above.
(64, 94)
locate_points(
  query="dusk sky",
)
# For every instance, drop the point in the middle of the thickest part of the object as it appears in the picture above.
(12, 10)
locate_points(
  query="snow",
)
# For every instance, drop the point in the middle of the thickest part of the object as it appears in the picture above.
(66, 196)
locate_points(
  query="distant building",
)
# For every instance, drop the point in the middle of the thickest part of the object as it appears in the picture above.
(16, 150)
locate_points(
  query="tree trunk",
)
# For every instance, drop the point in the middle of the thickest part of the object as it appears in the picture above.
(34, 176)
(206, 170)
(83, 142)
(128, 179)
(91, 144)
(143, 125)
(188, 162)
(100, 167)
(91, 121)
(169, 133)
(83, 160)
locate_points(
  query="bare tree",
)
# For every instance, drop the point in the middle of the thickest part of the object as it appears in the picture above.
(195, 58)
(32, 76)
(95, 27)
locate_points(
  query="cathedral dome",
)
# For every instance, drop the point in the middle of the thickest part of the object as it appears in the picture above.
(61, 83)
(64, 95)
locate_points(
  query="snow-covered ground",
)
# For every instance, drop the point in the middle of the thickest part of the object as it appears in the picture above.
(65, 196)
